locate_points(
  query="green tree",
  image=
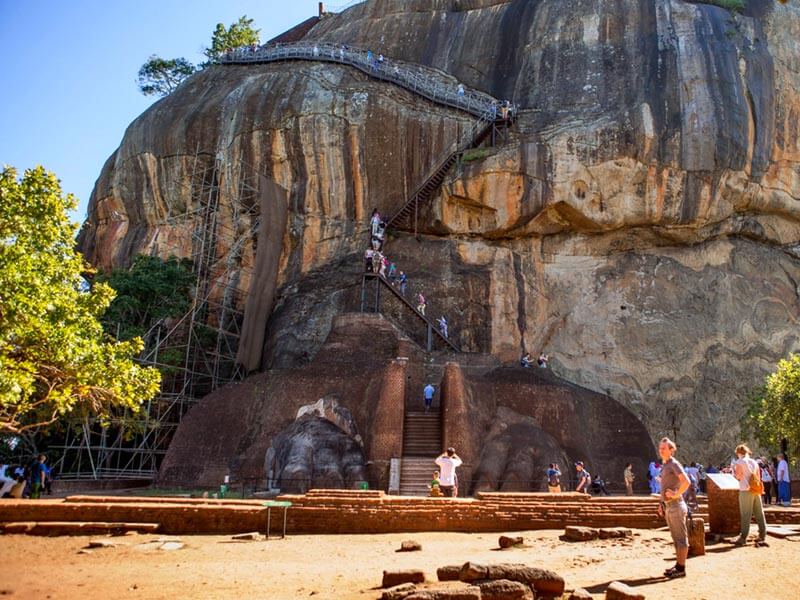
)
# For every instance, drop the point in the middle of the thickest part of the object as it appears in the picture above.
(236, 35)
(152, 290)
(774, 411)
(55, 359)
(160, 76)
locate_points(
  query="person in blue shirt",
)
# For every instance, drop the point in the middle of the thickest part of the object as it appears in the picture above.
(553, 479)
(428, 392)
(38, 477)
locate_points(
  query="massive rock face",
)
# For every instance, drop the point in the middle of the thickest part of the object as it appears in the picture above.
(640, 223)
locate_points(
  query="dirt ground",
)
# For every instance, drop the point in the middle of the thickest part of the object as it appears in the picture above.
(350, 566)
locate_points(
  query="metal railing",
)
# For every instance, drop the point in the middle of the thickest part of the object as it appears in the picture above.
(338, 8)
(421, 80)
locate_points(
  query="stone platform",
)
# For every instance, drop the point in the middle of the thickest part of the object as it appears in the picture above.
(340, 511)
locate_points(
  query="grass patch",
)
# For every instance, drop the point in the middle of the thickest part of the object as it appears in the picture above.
(731, 5)
(476, 154)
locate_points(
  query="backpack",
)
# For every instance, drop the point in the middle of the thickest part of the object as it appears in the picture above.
(553, 480)
(756, 486)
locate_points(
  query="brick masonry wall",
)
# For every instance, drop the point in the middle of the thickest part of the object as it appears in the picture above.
(339, 511)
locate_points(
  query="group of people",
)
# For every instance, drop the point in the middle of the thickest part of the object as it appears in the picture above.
(526, 361)
(773, 474)
(375, 261)
(17, 481)
(586, 484)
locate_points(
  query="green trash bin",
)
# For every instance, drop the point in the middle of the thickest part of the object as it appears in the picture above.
(363, 485)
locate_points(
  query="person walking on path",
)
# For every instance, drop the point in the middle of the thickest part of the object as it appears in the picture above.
(782, 477)
(628, 476)
(427, 394)
(654, 474)
(747, 471)
(584, 479)
(448, 462)
(542, 360)
(553, 479)
(674, 483)
(38, 477)
(403, 281)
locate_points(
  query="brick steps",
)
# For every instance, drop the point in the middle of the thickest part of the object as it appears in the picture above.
(75, 528)
(422, 442)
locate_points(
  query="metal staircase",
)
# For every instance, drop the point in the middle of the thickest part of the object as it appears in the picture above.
(371, 302)
(407, 215)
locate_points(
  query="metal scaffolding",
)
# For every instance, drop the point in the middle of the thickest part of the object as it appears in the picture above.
(195, 353)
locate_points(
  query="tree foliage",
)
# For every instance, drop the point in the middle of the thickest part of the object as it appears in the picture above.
(161, 76)
(147, 294)
(235, 35)
(55, 359)
(774, 412)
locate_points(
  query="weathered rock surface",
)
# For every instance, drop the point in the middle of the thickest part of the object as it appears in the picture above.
(448, 573)
(640, 224)
(399, 592)
(313, 452)
(543, 581)
(410, 546)
(575, 533)
(607, 533)
(620, 591)
(504, 589)
(393, 578)
(506, 541)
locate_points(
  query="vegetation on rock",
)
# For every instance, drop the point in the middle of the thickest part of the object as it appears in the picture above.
(774, 413)
(235, 35)
(55, 359)
(147, 294)
(161, 76)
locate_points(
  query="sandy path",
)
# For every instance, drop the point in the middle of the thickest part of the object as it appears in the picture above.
(348, 566)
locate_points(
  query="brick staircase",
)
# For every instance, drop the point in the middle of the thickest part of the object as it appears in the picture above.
(422, 442)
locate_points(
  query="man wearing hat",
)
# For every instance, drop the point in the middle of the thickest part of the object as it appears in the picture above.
(447, 462)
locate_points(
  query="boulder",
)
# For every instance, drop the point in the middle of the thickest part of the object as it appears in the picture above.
(410, 546)
(461, 593)
(399, 592)
(580, 594)
(507, 541)
(253, 536)
(575, 533)
(615, 532)
(544, 582)
(504, 589)
(393, 578)
(619, 591)
(448, 573)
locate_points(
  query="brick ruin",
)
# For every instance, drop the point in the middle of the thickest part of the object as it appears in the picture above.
(497, 417)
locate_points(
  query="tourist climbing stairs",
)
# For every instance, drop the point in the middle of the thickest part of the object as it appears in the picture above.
(371, 302)
(406, 217)
(422, 443)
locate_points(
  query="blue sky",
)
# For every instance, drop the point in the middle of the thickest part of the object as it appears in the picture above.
(68, 80)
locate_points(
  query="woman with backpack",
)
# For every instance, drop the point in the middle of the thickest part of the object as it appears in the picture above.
(746, 470)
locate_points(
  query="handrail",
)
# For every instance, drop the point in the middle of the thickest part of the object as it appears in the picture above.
(409, 305)
(421, 80)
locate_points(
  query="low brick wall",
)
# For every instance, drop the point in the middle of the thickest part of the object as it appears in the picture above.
(336, 511)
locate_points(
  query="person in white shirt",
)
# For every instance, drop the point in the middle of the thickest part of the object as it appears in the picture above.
(6, 480)
(744, 469)
(447, 462)
(782, 477)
